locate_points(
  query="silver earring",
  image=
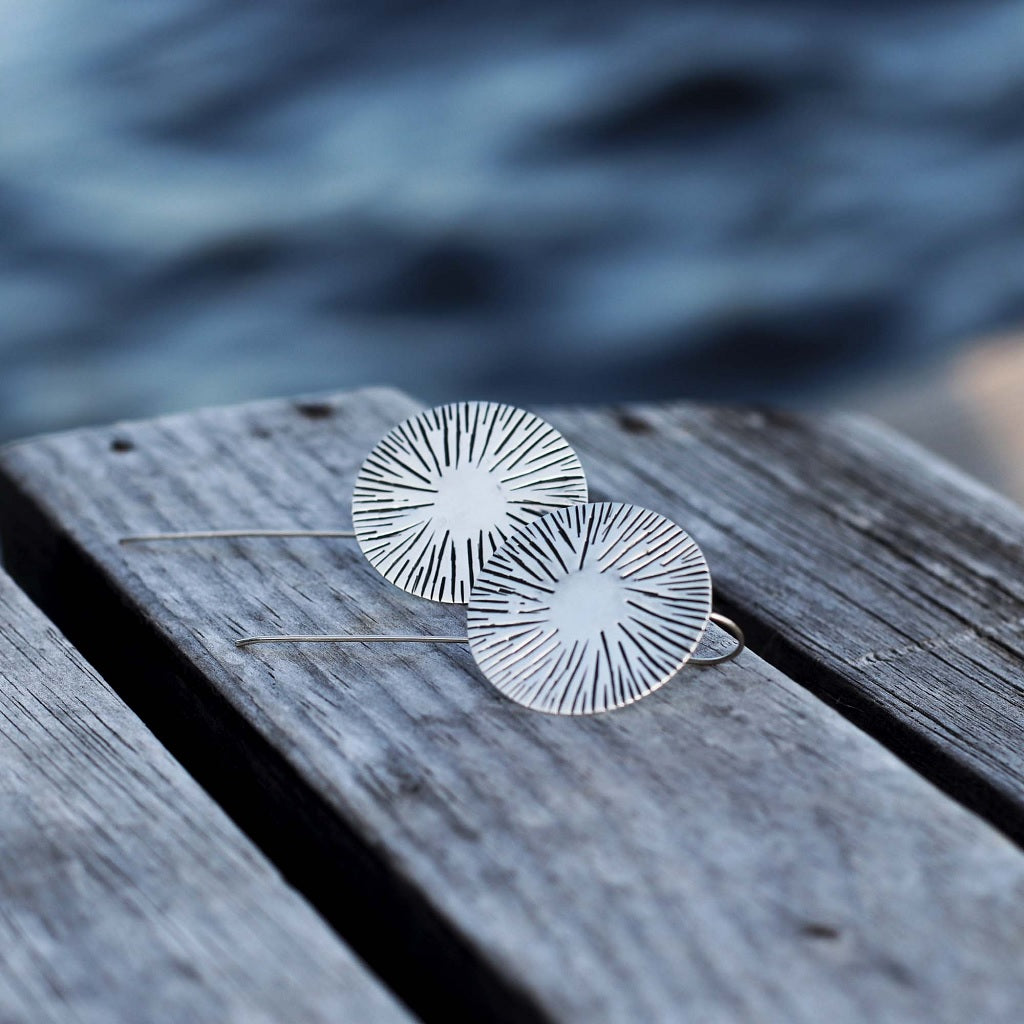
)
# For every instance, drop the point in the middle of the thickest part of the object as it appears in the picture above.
(442, 491)
(586, 609)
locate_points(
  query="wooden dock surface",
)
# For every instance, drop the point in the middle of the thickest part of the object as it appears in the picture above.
(825, 829)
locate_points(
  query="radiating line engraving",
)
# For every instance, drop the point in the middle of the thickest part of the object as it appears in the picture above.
(445, 489)
(589, 608)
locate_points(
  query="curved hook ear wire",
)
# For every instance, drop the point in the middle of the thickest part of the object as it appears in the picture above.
(734, 631)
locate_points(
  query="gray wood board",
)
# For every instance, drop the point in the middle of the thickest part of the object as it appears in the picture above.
(874, 573)
(126, 894)
(729, 849)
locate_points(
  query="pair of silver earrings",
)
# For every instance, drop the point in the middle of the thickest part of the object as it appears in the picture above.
(573, 607)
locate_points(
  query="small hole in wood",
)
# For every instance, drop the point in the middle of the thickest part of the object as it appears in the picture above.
(633, 424)
(121, 444)
(315, 410)
(814, 930)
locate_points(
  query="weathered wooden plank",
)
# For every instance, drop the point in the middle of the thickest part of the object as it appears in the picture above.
(872, 572)
(126, 894)
(728, 849)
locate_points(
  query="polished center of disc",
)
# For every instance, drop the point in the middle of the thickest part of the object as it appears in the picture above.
(588, 603)
(470, 500)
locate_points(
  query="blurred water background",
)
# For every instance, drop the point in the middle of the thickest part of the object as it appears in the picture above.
(206, 200)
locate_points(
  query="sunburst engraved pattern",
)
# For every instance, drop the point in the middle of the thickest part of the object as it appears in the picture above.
(443, 490)
(589, 608)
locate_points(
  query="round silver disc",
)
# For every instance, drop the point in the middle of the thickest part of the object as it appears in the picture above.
(589, 608)
(443, 490)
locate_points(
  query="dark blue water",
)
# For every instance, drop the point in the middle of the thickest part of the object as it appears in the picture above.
(203, 201)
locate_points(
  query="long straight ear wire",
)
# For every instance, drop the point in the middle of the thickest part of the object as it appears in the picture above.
(728, 625)
(139, 538)
(248, 641)
(441, 492)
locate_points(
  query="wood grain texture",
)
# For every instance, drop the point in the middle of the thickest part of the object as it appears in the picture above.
(877, 575)
(125, 893)
(728, 849)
